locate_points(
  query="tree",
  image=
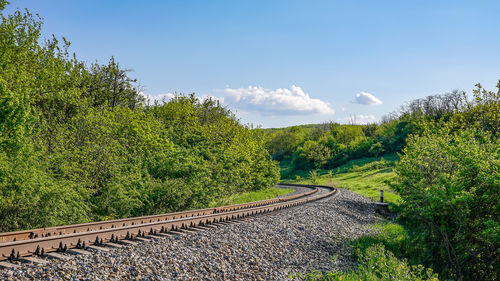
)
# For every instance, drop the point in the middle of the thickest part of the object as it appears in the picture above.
(449, 183)
(483, 112)
(110, 86)
(14, 117)
(376, 149)
(78, 143)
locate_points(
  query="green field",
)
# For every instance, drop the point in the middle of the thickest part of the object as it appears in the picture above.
(365, 176)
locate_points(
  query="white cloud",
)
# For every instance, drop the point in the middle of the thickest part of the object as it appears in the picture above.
(367, 99)
(293, 101)
(358, 119)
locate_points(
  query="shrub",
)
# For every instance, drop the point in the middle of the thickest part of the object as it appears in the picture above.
(313, 175)
(376, 149)
(30, 198)
(450, 190)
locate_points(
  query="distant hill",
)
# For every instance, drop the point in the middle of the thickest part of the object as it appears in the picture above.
(307, 127)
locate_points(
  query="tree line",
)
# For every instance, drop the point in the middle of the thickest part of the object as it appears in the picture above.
(329, 145)
(80, 142)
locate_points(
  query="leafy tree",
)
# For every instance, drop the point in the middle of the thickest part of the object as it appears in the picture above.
(315, 153)
(345, 134)
(483, 112)
(14, 116)
(80, 143)
(109, 86)
(284, 143)
(376, 149)
(449, 183)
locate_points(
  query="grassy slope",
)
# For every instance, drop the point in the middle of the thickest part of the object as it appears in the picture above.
(255, 196)
(365, 176)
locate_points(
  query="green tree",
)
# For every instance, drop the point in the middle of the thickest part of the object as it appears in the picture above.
(110, 86)
(483, 112)
(80, 143)
(376, 149)
(449, 183)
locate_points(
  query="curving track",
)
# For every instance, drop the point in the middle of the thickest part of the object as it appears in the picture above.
(14, 245)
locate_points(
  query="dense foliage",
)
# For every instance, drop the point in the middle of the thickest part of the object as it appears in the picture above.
(80, 143)
(449, 182)
(330, 145)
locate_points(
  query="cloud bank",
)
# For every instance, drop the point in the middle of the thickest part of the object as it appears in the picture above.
(293, 101)
(367, 99)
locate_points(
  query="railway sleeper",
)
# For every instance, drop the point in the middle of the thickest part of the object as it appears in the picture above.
(76, 251)
(8, 265)
(98, 248)
(59, 256)
(34, 260)
(114, 245)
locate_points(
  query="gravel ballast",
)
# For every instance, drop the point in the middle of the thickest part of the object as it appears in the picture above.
(291, 241)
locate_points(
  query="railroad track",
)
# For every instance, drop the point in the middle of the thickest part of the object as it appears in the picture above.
(44, 241)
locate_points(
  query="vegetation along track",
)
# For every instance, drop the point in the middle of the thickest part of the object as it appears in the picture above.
(15, 245)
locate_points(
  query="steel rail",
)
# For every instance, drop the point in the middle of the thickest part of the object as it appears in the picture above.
(91, 226)
(40, 245)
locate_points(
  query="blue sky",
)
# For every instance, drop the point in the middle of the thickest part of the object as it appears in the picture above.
(280, 63)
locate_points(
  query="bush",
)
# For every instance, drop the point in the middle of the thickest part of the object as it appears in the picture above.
(450, 189)
(30, 197)
(313, 175)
